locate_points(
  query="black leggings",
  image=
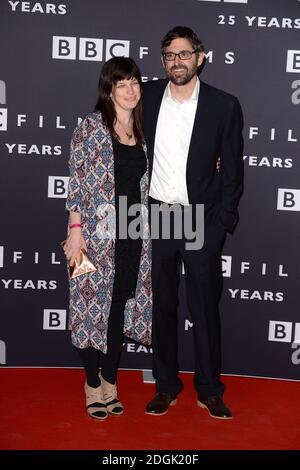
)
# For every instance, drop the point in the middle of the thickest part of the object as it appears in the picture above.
(92, 358)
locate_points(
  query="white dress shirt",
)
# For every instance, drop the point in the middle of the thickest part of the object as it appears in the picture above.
(172, 141)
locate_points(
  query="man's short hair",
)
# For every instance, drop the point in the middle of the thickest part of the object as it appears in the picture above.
(182, 32)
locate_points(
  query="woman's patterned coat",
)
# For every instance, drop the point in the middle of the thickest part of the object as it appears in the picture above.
(92, 193)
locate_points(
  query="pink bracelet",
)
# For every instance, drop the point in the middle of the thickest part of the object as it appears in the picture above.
(75, 225)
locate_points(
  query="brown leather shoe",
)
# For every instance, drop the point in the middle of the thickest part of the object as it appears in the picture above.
(160, 404)
(215, 406)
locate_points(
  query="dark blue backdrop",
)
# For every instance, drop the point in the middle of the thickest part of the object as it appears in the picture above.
(49, 71)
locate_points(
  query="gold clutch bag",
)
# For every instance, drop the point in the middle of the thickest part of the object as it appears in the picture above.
(82, 265)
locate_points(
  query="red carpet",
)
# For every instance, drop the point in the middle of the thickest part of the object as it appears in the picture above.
(44, 409)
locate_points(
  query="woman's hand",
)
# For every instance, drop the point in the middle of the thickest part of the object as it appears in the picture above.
(73, 245)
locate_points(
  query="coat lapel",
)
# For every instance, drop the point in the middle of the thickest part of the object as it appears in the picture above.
(199, 127)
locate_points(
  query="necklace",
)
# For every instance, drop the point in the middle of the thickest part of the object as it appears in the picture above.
(128, 134)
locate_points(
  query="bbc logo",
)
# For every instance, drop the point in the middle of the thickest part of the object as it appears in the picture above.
(3, 119)
(2, 353)
(2, 92)
(1, 256)
(225, 1)
(282, 331)
(293, 61)
(58, 186)
(226, 266)
(54, 319)
(288, 199)
(65, 47)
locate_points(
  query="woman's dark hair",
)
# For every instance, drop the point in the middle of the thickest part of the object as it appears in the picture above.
(114, 70)
(182, 32)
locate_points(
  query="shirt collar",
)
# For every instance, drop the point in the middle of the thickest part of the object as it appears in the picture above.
(194, 96)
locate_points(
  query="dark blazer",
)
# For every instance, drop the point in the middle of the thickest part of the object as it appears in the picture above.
(217, 132)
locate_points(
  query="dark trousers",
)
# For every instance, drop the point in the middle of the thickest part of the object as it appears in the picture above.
(92, 358)
(203, 279)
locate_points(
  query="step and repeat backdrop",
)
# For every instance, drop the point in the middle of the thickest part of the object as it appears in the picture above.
(51, 56)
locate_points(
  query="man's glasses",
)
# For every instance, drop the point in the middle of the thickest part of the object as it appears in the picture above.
(183, 55)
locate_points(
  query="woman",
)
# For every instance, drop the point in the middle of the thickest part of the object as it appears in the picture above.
(108, 160)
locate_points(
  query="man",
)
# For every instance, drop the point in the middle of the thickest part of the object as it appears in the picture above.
(188, 126)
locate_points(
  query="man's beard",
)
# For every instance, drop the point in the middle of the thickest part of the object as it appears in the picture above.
(185, 77)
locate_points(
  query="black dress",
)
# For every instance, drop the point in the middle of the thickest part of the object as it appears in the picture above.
(129, 166)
